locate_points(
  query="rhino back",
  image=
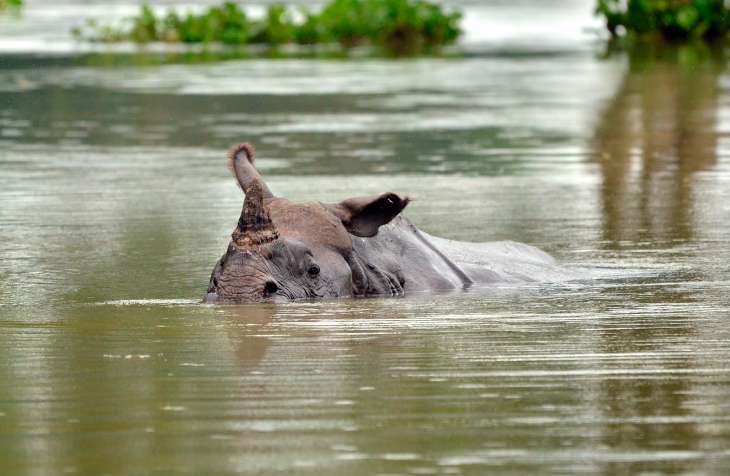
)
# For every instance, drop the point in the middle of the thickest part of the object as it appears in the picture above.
(431, 263)
(509, 260)
(401, 248)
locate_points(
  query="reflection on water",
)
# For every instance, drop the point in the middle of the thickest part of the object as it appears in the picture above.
(658, 131)
(116, 203)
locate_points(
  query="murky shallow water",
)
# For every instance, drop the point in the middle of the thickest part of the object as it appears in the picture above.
(116, 203)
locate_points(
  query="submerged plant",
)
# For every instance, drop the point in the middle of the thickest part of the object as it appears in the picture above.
(667, 19)
(395, 25)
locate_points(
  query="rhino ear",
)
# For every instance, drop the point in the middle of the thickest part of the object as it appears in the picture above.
(362, 216)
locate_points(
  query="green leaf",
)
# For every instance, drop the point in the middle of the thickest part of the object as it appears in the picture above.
(687, 17)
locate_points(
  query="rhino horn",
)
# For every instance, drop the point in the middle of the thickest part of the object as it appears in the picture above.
(254, 226)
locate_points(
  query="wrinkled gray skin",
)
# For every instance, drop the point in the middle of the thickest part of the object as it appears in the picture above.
(283, 251)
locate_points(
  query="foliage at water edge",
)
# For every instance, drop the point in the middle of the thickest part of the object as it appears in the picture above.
(10, 3)
(666, 20)
(407, 26)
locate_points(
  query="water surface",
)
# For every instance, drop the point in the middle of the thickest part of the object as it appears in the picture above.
(116, 203)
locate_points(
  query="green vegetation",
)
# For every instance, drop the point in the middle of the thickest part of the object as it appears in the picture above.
(399, 26)
(10, 3)
(671, 20)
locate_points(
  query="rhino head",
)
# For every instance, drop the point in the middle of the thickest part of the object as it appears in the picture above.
(282, 251)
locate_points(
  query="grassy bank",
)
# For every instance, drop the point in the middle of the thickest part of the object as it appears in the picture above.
(399, 26)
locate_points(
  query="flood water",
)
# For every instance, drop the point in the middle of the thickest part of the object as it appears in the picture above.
(115, 203)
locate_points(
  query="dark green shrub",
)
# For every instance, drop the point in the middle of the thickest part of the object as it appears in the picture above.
(226, 24)
(348, 21)
(417, 24)
(233, 25)
(276, 28)
(666, 19)
(310, 31)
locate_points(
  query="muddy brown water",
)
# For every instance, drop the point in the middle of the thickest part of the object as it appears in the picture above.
(115, 204)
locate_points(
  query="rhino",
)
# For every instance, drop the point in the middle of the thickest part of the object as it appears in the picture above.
(282, 251)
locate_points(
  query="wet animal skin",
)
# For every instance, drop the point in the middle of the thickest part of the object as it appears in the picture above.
(282, 251)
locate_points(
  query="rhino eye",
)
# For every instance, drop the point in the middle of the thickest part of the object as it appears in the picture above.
(313, 270)
(270, 288)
